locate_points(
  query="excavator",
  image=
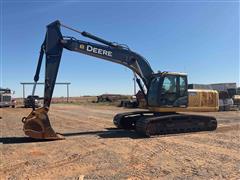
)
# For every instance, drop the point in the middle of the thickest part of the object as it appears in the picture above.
(165, 92)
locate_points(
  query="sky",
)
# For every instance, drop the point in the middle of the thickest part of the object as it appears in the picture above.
(199, 38)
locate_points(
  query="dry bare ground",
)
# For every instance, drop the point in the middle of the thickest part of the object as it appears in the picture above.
(94, 149)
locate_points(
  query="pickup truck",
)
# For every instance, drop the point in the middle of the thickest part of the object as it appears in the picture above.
(28, 102)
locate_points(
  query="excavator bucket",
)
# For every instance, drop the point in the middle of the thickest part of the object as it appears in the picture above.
(37, 125)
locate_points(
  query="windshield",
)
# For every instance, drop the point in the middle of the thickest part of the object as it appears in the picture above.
(153, 92)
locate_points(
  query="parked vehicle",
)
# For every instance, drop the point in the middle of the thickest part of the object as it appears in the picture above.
(32, 100)
(6, 99)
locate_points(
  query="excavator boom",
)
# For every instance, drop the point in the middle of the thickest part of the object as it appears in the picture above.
(54, 44)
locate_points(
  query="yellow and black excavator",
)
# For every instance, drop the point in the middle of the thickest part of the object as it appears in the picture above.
(165, 92)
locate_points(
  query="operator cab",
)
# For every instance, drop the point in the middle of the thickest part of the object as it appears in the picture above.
(168, 89)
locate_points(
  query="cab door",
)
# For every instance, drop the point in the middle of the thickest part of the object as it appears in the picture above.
(168, 90)
(174, 91)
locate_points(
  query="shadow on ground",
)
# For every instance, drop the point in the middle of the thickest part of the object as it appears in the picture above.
(108, 133)
(18, 140)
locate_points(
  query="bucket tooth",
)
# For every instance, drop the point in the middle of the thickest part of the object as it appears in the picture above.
(37, 125)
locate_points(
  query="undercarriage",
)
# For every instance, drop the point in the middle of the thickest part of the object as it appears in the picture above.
(149, 123)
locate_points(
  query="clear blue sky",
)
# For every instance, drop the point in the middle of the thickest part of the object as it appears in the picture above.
(199, 38)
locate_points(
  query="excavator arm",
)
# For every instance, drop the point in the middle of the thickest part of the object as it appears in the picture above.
(37, 124)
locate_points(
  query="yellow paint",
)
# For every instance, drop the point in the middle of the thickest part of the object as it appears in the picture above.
(81, 46)
(198, 101)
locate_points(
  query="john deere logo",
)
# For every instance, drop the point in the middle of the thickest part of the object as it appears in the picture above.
(81, 46)
(99, 51)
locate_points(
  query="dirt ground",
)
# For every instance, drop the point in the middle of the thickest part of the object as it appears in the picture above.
(94, 149)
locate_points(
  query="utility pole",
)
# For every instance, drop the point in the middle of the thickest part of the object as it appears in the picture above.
(67, 92)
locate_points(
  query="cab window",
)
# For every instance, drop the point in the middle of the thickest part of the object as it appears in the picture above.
(169, 85)
(183, 85)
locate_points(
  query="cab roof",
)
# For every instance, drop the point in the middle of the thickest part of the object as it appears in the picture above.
(175, 73)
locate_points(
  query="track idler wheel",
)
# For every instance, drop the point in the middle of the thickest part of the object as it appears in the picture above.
(37, 125)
